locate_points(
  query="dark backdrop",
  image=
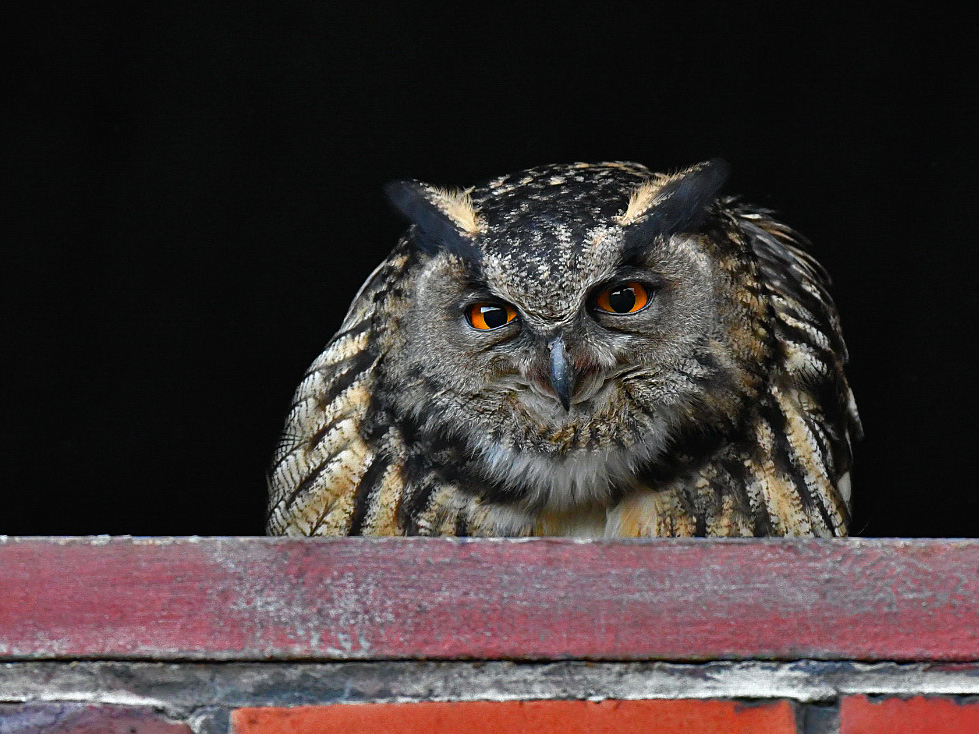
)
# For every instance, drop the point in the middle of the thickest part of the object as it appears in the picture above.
(192, 197)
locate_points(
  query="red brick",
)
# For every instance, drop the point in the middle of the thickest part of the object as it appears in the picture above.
(485, 717)
(918, 715)
(77, 718)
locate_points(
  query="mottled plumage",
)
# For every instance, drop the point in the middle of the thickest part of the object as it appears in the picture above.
(586, 349)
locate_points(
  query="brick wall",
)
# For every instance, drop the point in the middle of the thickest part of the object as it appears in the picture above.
(271, 635)
(809, 697)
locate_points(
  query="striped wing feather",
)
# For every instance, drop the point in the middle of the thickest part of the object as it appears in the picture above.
(810, 412)
(322, 456)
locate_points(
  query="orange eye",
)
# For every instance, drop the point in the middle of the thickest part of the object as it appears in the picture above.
(623, 298)
(485, 315)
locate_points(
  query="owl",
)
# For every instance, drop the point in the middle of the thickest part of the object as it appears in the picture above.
(587, 350)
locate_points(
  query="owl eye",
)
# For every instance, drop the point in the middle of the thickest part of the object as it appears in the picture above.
(623, 298)
(485, 315)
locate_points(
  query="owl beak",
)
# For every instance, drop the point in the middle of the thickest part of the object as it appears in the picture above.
(562, 377)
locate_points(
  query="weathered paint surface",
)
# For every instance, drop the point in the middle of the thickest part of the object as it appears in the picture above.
(262, 598)
(565, 717)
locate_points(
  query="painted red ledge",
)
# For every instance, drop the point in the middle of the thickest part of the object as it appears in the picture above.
(918, 715)
(262, 598)
(544, 717)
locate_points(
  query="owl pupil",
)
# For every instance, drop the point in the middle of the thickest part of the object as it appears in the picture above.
(494, 316)
(622, 300)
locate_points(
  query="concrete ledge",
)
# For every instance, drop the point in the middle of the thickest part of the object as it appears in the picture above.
(204, 696)
(181, 689)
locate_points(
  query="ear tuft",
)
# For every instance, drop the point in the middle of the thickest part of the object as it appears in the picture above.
(672, 205)
(444, 220)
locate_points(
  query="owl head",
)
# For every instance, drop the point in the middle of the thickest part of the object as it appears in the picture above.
(567, 323)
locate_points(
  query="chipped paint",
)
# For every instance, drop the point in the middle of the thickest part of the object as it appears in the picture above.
(255, 599)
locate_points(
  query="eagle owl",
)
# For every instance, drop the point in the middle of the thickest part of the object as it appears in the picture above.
(591, 350)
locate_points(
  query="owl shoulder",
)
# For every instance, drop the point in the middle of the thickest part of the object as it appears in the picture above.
(809, 381)
(322, 454)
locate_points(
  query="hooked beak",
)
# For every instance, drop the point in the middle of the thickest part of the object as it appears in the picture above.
(562, 377)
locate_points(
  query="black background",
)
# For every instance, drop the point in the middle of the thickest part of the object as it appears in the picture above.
(192, 197)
